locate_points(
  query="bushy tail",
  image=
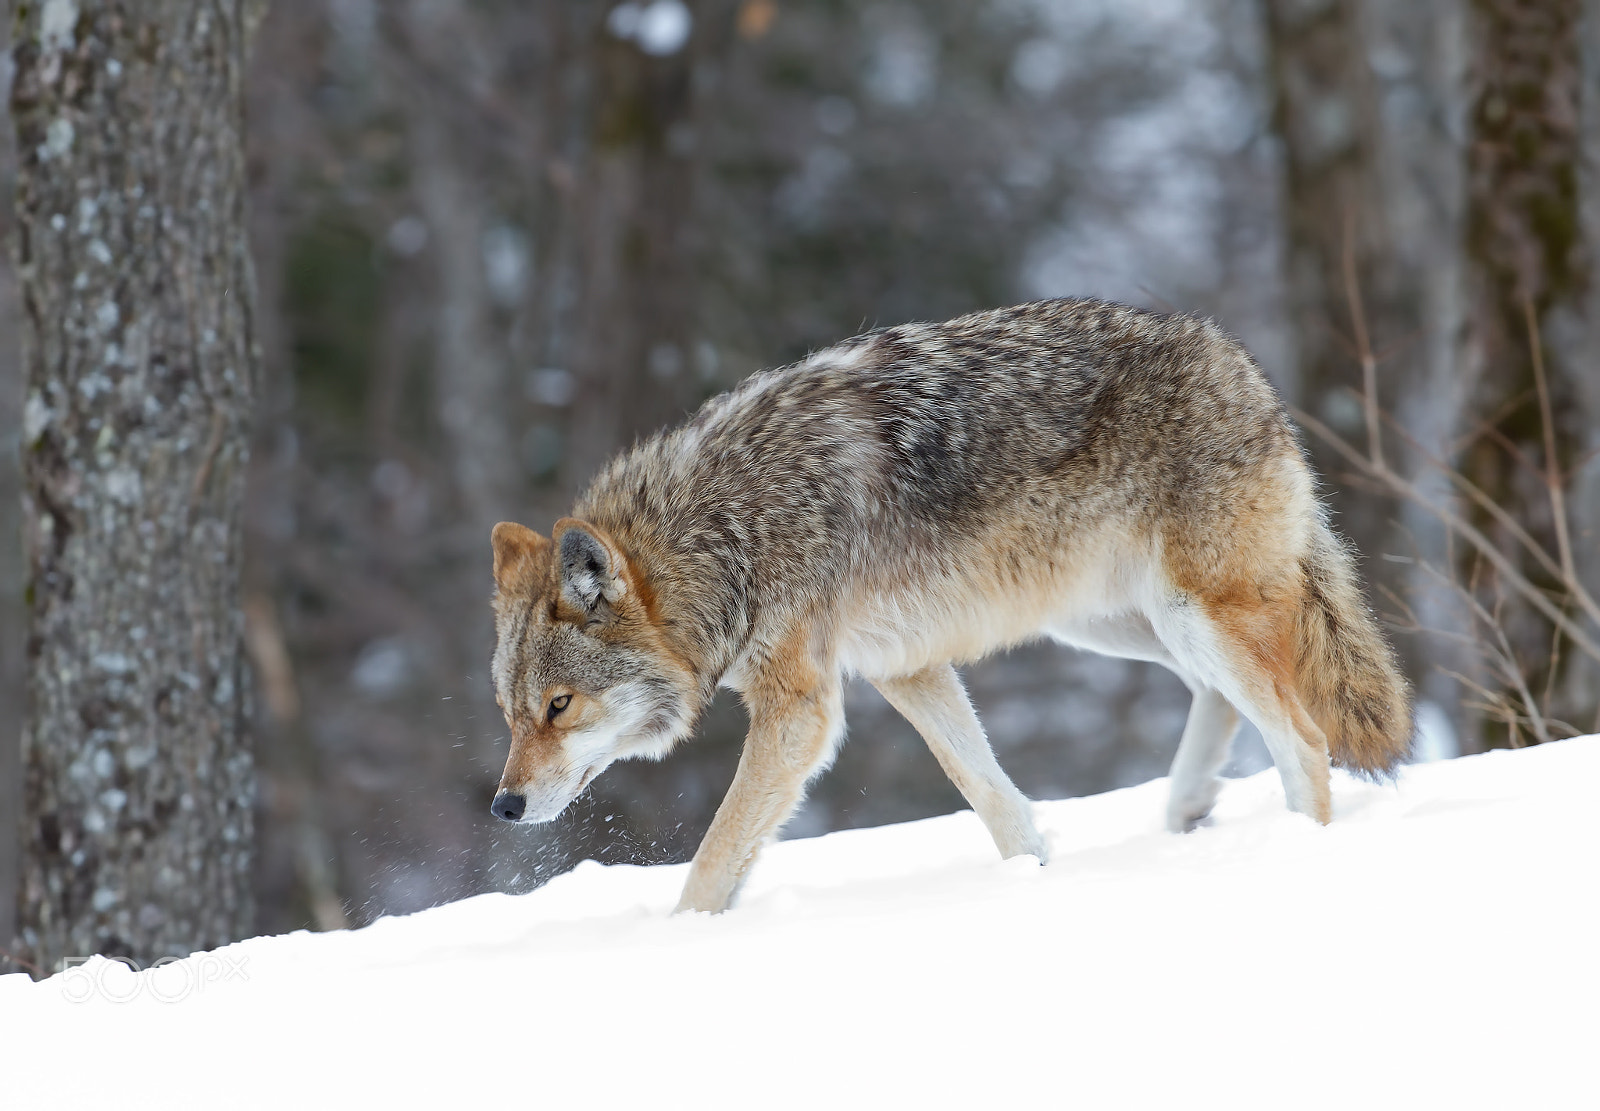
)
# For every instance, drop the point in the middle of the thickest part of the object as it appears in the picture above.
(1346, 671)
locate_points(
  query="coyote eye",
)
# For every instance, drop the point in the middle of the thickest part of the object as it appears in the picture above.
(559, 703)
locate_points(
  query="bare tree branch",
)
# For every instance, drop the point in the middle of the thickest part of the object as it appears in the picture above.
(1358, 320)
(1553, 479)
(1453, 521)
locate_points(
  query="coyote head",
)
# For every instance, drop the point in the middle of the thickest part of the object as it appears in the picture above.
(581, 669)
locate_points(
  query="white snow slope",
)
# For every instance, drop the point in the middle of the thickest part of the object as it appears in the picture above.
(1436, 946)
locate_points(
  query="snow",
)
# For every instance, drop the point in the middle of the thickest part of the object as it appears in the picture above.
(658, 28)
(1435, 946)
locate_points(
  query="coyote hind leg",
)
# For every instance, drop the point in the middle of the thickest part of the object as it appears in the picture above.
(1225, 651)
(1208, 734)
(1207, 737)
(934, 701)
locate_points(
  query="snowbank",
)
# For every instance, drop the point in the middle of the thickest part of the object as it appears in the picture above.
(1438, 945)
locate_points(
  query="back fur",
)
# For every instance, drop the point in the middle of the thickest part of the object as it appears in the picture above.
(1346, 672)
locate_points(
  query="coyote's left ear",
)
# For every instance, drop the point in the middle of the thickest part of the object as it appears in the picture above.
(593, 568)
(519, 553)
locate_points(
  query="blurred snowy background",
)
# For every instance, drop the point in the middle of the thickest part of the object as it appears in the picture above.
(498, 240)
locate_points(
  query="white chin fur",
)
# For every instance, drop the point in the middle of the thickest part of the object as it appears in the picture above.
(544, 804)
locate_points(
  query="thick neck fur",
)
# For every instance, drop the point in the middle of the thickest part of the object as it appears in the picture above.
(704, 615)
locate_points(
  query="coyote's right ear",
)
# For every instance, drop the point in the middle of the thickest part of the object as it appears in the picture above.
(519, 554)
(593, 574)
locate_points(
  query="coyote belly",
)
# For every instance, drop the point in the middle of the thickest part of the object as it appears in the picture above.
(917, 498)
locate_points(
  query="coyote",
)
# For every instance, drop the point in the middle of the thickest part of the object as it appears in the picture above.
(917, 498)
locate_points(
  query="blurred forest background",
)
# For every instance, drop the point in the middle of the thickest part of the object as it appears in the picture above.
(497, 240)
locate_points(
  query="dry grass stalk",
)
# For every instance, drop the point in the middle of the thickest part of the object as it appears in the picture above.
(1516, 706)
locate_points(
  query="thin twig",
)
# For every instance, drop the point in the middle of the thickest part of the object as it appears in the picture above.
(38, 973)
(1492, 705)
(1504, 710)
(1449, 636)
(1453, 521)
(1514, 672)
(1492, 700)
(1574, 587)
(1553, 478)
(1502, 658)
(1507, 407)
(1506, 657)
(1385, 354)
(1582, 462)
(1358, 320)
(1469, 598)
(1517, 454)
(1494, 646)
(1410, 615)
(1555, 661)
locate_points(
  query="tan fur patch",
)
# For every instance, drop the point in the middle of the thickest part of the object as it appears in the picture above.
(520, 556)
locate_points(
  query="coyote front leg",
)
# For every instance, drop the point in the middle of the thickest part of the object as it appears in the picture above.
(791, 737)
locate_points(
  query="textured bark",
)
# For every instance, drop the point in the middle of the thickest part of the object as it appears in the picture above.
(1526, 248)
(1415, 53)
(11, 623)
(1585, 492)
(140, 367)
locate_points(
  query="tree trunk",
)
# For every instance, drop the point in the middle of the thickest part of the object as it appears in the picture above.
(1528, 263)
(140, 367)
(1579, 351)
(632, 211)
(1337, 241)
(11, 575)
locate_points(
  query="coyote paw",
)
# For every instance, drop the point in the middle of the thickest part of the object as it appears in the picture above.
(1037, 850)
(1187, 813)
(1031, 844)
(1182, 823)
(1189, 804)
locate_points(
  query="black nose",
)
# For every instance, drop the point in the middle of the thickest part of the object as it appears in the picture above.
(508, 806)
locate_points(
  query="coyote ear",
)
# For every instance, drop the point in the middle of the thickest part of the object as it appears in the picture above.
(518, 553)
(591, 566)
